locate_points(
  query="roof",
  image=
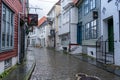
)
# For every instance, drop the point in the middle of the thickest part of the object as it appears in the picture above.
(41, 21)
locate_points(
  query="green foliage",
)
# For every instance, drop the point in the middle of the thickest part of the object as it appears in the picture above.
(6, 72)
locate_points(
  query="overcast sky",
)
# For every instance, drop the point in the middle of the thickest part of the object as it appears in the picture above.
(44, 5)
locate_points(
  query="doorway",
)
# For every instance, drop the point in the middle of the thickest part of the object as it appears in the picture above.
(110, 35)
(79, 33)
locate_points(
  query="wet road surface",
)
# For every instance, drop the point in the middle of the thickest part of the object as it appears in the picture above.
(52, 65)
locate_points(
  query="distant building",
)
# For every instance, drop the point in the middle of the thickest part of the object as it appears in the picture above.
(42, 32)
(33, 35)
(53, 25)
(12, 32)
(88, 27)
(68, 29)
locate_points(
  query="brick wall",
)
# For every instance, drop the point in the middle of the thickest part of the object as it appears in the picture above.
(16, 7)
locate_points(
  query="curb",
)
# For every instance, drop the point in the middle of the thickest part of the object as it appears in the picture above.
(28, 75)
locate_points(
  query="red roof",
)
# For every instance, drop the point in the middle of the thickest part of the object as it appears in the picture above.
(41, 21)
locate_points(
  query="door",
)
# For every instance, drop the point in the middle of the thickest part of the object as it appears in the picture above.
(79, 33)
(110, 35)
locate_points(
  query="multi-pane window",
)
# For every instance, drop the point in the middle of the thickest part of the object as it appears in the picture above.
(6, 28)
(87, 31)
(90, 30)
(7, 63)
(92, 4)
(80, 12)
(89, 5)
(86, 6)
(94, 29)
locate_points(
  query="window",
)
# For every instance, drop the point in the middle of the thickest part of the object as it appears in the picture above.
(86, 6)
(7, 28)
(92, 4)
(80, 12)
(93, 30)
(89, 5)
(8, 63)
(87, 31)
(90, 30)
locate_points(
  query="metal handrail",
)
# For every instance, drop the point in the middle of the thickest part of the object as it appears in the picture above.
(100, 37)
(102, 51)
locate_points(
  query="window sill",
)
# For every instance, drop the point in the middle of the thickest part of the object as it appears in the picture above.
(6, 50)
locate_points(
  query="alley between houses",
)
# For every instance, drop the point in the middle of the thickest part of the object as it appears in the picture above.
(53, 65)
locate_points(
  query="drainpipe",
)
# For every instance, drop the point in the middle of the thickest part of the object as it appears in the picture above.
(19, 38)
(19, 30)
(70, 28)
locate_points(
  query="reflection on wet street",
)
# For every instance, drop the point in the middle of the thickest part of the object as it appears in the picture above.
(52, 65)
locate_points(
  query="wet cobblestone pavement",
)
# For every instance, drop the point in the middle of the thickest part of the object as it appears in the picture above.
(52, 65)
(22, 70)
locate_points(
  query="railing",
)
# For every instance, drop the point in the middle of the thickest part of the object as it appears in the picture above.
(105, 50)
(99, 49)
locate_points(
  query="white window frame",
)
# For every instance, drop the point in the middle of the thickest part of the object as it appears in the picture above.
(87, 31)
(90, 30)
(86, 7)
(92, 4)
(8, 20)
(94, 29)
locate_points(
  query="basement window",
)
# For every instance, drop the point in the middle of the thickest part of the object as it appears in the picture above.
(7, 63)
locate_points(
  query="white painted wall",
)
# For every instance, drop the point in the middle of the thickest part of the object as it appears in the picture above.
(1, 66)
(91, 51)
(14, 61)
(108, 10)
(73, 24)
(73, 33)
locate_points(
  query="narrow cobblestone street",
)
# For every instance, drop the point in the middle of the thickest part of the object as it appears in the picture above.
(52, 65)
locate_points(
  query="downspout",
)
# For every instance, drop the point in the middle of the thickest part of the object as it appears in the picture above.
(19, 38)
(70, 28)
(19, 31)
